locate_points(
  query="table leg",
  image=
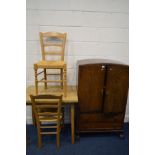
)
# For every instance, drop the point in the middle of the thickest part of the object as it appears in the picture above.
(72, 124)
(33, 118)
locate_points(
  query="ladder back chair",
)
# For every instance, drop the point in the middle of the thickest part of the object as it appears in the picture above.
(52, 45)
(48, 115)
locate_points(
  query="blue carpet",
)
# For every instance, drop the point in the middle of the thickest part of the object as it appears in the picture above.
(89, 144)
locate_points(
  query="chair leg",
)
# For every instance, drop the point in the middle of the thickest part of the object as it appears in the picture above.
(39, 139)
(36, 79)
(45, 77)
(61, 77)
(65, 81)
(58, 138)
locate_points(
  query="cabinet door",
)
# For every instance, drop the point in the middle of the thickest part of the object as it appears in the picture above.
(117, 82)
(90, 88)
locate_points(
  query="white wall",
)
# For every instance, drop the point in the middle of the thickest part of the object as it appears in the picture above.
(95, 29)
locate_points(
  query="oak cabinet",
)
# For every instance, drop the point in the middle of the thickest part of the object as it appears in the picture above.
(102, 95)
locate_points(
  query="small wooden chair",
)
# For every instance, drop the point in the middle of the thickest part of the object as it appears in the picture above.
(52, 44)
(48, 115)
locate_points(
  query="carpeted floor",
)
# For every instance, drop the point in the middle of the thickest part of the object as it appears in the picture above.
(89, 144)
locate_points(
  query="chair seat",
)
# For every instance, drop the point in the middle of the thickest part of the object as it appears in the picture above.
(49, 119)
(50, 64)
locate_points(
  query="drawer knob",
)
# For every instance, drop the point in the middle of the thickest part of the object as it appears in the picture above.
(103, 67)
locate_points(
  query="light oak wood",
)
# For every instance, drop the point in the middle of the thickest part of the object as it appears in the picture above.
(50, 39)
(49, 64)
(72, 124)
(45, 81)
(52, 53)
(61, 77)
(39, 108)
(71, 99)
(36, 79)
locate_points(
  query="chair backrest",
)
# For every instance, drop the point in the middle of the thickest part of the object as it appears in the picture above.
(46, 106)
(52, 43)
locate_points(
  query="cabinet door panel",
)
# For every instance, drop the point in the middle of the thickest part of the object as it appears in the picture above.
(90, 87)
(116, 88)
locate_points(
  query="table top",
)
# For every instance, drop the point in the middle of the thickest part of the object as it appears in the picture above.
(55, 90)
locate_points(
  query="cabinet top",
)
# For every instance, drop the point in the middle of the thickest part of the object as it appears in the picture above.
(97, 61)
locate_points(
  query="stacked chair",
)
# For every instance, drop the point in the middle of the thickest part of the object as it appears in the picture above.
(53, 47)
(47, 112)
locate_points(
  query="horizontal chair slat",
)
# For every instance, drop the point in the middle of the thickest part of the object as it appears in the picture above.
(50, 81)
(52, 44)
(48, 120)
(47, 114)
(47, 106)
(53, 53)
(47, 102)
(47, 133)
(46, 96)
(53, 34)
(48, 127)
(54, 74)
